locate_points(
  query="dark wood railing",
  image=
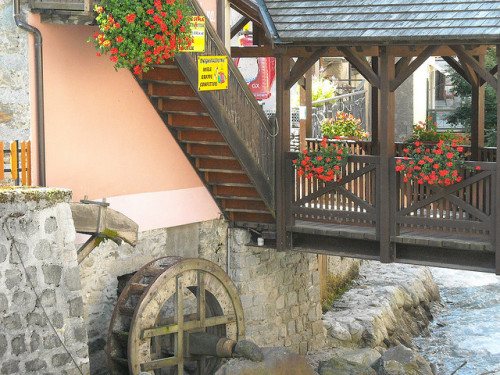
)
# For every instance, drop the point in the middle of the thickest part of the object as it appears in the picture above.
(462, 213)
(237, 114)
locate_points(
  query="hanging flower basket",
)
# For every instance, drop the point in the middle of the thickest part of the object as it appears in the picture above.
(441, 164)
(138, 34)
(325, 163)
(344, 125)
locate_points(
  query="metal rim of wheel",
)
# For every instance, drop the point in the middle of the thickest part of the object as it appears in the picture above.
(148, 333)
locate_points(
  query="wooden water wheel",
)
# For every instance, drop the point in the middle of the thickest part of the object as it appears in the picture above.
(163, 308)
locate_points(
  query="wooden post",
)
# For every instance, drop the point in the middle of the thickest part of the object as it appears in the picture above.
(28, 162)
(495, 234)
(323, 274)
(1, 162)
(13, 160)
(283, 239)
(374, 110)
(305, 130)
(477, 125)
(385, 189)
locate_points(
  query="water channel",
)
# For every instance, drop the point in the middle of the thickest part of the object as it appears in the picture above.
(467, 328)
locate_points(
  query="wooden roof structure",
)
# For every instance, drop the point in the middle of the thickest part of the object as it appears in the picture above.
(353, 22)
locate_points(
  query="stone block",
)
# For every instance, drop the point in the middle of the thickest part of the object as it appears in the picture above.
(291, 328)
(42, 250)
(48, 298)
(28, 225)
(57, 320)
(51, 342)
(52, 274)
(4, 303)
(18, 345)
(35, 342)
(10, 367)
(50, 225)
(12, 322)
(38, 319)
(61, 359)
(3, 345)
(76, 307)
(36, 365)
(3, 253)
(72, 279)
(23, 300)
(291, 298)
(13, 278)
(32, 275)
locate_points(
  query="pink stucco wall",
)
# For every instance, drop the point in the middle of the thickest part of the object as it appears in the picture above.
(103, 137)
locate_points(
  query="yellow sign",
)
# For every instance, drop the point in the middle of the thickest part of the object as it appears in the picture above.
(212, 73)
(198, 34)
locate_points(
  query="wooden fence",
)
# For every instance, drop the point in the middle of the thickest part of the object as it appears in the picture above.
(17, 158)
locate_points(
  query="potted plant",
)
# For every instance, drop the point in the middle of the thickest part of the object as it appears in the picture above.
(427, 132)
(325, 163)
(434, 165)
(344, 125)
(138, 34)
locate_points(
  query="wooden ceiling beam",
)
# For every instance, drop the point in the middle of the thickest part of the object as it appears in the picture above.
(240, 24)
(481, 71)
(360, 63)
(414, 65)
(302, 65)
(402, 64)
(456, 66)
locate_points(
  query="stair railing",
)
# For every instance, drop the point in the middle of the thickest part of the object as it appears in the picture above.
(237, 114)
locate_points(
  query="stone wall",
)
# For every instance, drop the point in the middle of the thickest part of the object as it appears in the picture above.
(14, 77)
(41, 307)
(279, 291)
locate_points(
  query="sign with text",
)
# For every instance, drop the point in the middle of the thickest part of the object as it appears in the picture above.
(198, 34)
(212, 73)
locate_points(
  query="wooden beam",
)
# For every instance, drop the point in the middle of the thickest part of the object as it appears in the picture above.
(496, 228)
(302, 65)
(361, 65)
(456, 67)
(386, 188)
(477, 123)
(247, 9)
(474, 64)
(375, 110)
(240, 24)
(414, 65)
(283, 238)
(402, 64)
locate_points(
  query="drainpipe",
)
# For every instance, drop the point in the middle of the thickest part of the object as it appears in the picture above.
(38, 88)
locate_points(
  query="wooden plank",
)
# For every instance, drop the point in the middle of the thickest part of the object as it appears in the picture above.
(385, 219)
(323, 275)
(496, 213)
(302, 65)
(23, 163)
(179, 317)
(408, 70)
(28, 163)
(13, 160)
(240, 24)
(361, 65)
(2, 173)
(330, 213)
(481, 71)
(456, 67)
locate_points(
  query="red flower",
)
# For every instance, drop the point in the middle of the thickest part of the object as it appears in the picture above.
(119, 39)
(130, 18)
(449, 155)
(150, 11)
(478, 168)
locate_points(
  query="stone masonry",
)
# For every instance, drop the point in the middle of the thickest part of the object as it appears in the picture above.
(14, 77)
(279, 291)
(41, 306)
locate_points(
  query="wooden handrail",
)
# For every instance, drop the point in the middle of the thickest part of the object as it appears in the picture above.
(237, 115)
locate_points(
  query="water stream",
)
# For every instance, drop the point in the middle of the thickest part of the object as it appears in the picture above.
(468, 327)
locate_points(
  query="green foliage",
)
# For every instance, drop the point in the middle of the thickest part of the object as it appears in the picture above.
(343, 125)
(427, 131)
(137, 34)
(336, 286)
(322, 88)
(463, 114)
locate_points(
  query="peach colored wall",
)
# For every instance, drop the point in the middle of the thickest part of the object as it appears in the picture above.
(103, 137)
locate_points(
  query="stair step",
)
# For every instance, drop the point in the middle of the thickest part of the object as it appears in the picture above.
(188, 121)
(181, 91)
(221, 170)
(236, 184)
(220, 157)
(236, 197)
(215, 178)
(245, 206)
(208, 143)
(251, 217)
(230, 191)
(182, 105)
(228, 164)
(187, 113)
(196, 149)
(164, 74)
(197, 135)
(246, 210)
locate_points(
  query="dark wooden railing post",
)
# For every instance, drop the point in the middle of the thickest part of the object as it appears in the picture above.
(374, 110)
(283, 238)
(477, 125)
(385, 189)
(496, 233)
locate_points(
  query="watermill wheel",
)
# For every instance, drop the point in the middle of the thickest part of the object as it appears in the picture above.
(164, 303)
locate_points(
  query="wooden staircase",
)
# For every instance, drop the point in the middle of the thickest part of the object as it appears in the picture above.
(215, 160)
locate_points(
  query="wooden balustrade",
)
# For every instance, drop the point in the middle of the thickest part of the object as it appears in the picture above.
(18, 158)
